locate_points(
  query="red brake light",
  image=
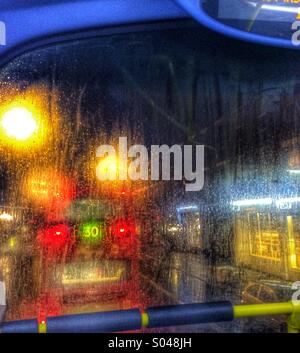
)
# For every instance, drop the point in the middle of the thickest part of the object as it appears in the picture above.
(123, 228)
(54, 237)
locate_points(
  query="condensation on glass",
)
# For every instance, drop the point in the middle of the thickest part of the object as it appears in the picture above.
(70, 243)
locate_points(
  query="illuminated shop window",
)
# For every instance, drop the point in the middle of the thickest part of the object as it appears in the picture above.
(293, 226)
(264, 237)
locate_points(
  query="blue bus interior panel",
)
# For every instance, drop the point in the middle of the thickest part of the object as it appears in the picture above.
(26, 21)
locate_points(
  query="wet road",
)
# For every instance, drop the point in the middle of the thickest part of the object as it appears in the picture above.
(162, 277)
(178, 278)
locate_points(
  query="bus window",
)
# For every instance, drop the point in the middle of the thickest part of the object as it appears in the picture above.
(71, 242)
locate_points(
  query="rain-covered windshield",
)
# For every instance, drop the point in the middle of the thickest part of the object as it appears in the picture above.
(73, 242)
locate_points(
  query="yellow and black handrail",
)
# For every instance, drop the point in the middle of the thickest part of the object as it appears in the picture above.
(163, 316)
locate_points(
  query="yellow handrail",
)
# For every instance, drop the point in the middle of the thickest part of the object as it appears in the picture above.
(289, 308)
(262, 309)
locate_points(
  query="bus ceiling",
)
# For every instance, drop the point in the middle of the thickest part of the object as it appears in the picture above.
(25, 24)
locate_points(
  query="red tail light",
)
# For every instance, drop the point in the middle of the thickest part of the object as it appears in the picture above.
(54, 237)
(123, 228)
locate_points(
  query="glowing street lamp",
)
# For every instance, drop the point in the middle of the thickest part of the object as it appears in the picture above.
(6, 217)
(19, 123)
(21, 126)
(108, 168)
